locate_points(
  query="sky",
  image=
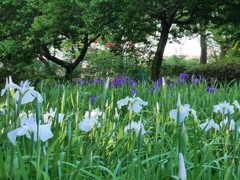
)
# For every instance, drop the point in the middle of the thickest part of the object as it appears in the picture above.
(189, 48)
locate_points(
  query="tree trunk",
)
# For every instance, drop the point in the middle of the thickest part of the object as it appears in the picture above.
(203, 44)
(223, 51)
(68, 73)
(158, 58)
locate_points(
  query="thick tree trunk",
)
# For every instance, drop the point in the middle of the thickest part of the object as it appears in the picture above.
(68, 73)
(203, 44)
(158, 58)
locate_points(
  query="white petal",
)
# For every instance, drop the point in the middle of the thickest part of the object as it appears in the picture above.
(216, 108)
(231, 109)
(135, 107)
(182, 116)
(3, 91)
(86, 125)
(60, 117)
(182, 169)
(37, 95)
(16, 96)
(45, 132)
(215, 126)
(139, 127)
(173, 114)
(52, 112)
(203, 125)
(232, 125)
(194, 113)
(236, 104)
(163, 81)
(123, 102)
(18, 132)
(45, 117)
(31, 123)
(140, 101)
(107, 83)
(27, 98)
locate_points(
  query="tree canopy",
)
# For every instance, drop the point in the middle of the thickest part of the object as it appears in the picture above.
(30, 29)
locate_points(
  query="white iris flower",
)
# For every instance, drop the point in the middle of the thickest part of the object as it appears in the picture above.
(183, 111)
(90, 120)
(134, 103)
(30, 125)
(137, 126)
(25, 91)
(224, 108)
(236, 104)
(209, 124)
(48, 117)
(231, 125)
(182, 169)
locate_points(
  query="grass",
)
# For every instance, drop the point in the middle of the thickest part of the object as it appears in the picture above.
(110, 153)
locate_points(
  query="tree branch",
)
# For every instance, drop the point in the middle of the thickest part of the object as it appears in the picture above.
(87, 43)
(46, 53)
(45, 62)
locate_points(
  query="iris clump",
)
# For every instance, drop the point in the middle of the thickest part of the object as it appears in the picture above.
(121, 81)
(158, 83)
(99, 81)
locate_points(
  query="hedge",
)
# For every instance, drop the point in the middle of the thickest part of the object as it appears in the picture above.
(222, 70)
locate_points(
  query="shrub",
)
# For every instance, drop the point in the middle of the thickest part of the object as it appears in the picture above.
(174, 65)
(103, 63)
(221, 70)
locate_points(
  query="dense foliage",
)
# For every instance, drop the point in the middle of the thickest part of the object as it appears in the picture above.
(61, 33)
(220, 71)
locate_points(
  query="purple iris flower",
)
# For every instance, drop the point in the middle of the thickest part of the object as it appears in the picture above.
(99, 81)
(132, 82)
(183, 75)
(210, 89)
(93, 99)
(152, 89)
(158, 83)
(134, 91)
(172, 84)
(127, 80)
(112, 85)
(118, 81)
(91, 81)
(195, 80)
(81, 81)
